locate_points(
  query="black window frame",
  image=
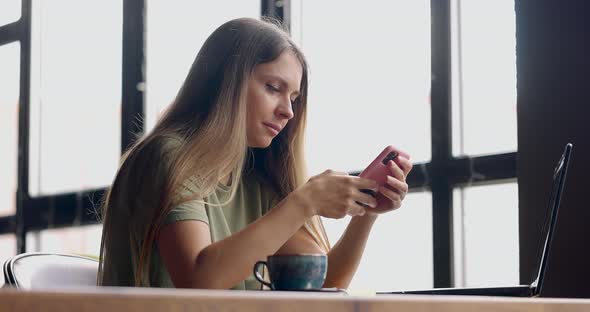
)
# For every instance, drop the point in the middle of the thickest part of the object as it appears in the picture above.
(441, 175)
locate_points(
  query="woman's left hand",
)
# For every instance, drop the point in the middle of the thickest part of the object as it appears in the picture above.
(391, 195)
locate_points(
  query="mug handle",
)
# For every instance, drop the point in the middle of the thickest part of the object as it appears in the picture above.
(258, 276)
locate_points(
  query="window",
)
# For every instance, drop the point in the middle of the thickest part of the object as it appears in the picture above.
(398, 254)
(84, 240)
(369, 87)
(484, 72)
(9, 78)
(370, 83)
(9, 11)
(75, 72)
(175, 31)
(486, 235)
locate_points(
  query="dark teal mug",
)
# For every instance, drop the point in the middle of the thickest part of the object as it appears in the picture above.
(294, 272)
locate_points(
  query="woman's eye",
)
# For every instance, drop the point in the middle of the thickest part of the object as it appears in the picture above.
(272, 88)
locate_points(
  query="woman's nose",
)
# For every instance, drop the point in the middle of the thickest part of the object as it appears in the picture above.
(285, 109)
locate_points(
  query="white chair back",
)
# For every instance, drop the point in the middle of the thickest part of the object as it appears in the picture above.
(43, 270)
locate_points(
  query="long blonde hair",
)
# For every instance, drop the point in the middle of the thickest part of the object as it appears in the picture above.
(207, 120)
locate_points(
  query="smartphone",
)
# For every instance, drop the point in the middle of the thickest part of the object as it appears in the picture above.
(377, 170)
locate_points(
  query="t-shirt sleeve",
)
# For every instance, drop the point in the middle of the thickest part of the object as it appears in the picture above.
(191, 210)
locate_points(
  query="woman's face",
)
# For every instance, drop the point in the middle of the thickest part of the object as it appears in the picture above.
(272, 88)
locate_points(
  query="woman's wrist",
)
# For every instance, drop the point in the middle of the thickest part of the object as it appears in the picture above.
(367, 218)
(301, 202)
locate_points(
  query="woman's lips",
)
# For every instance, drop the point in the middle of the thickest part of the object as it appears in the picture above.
(272, 127)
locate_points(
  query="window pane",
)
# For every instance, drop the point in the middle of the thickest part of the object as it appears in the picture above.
(398, 254)
(7, 249)
(83, 240)
(369, 79)
(75, 94)
(9, 86)
(176, 30)
(9, 11)
(484, 104)
(486, 235)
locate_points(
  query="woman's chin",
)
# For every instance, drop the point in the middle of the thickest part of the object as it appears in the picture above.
(260, 143)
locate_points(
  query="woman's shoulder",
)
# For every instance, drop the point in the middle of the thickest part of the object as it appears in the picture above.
(161, 145)
(168, 141)
(152, 155)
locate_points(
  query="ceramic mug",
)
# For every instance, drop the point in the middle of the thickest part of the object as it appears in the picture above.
(294, 272)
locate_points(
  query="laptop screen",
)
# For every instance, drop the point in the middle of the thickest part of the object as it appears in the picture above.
(559, 176)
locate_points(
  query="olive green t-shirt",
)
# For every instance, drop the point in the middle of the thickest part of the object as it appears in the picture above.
(121, 250)
(249, 204)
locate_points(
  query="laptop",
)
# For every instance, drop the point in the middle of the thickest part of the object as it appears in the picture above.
(534, 289)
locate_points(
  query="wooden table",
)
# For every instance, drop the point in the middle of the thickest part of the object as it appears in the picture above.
(170, 300)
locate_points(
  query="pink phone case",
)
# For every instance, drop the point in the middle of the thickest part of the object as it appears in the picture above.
(377, 169)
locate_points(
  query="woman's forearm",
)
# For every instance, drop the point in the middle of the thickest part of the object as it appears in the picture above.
(225, 263)
(345, 256)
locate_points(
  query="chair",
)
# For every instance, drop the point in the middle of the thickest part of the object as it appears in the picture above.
(45, 270)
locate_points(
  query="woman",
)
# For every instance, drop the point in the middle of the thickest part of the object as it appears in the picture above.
(219, 183)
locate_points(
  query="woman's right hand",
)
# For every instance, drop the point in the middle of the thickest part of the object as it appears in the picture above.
(335, 195)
